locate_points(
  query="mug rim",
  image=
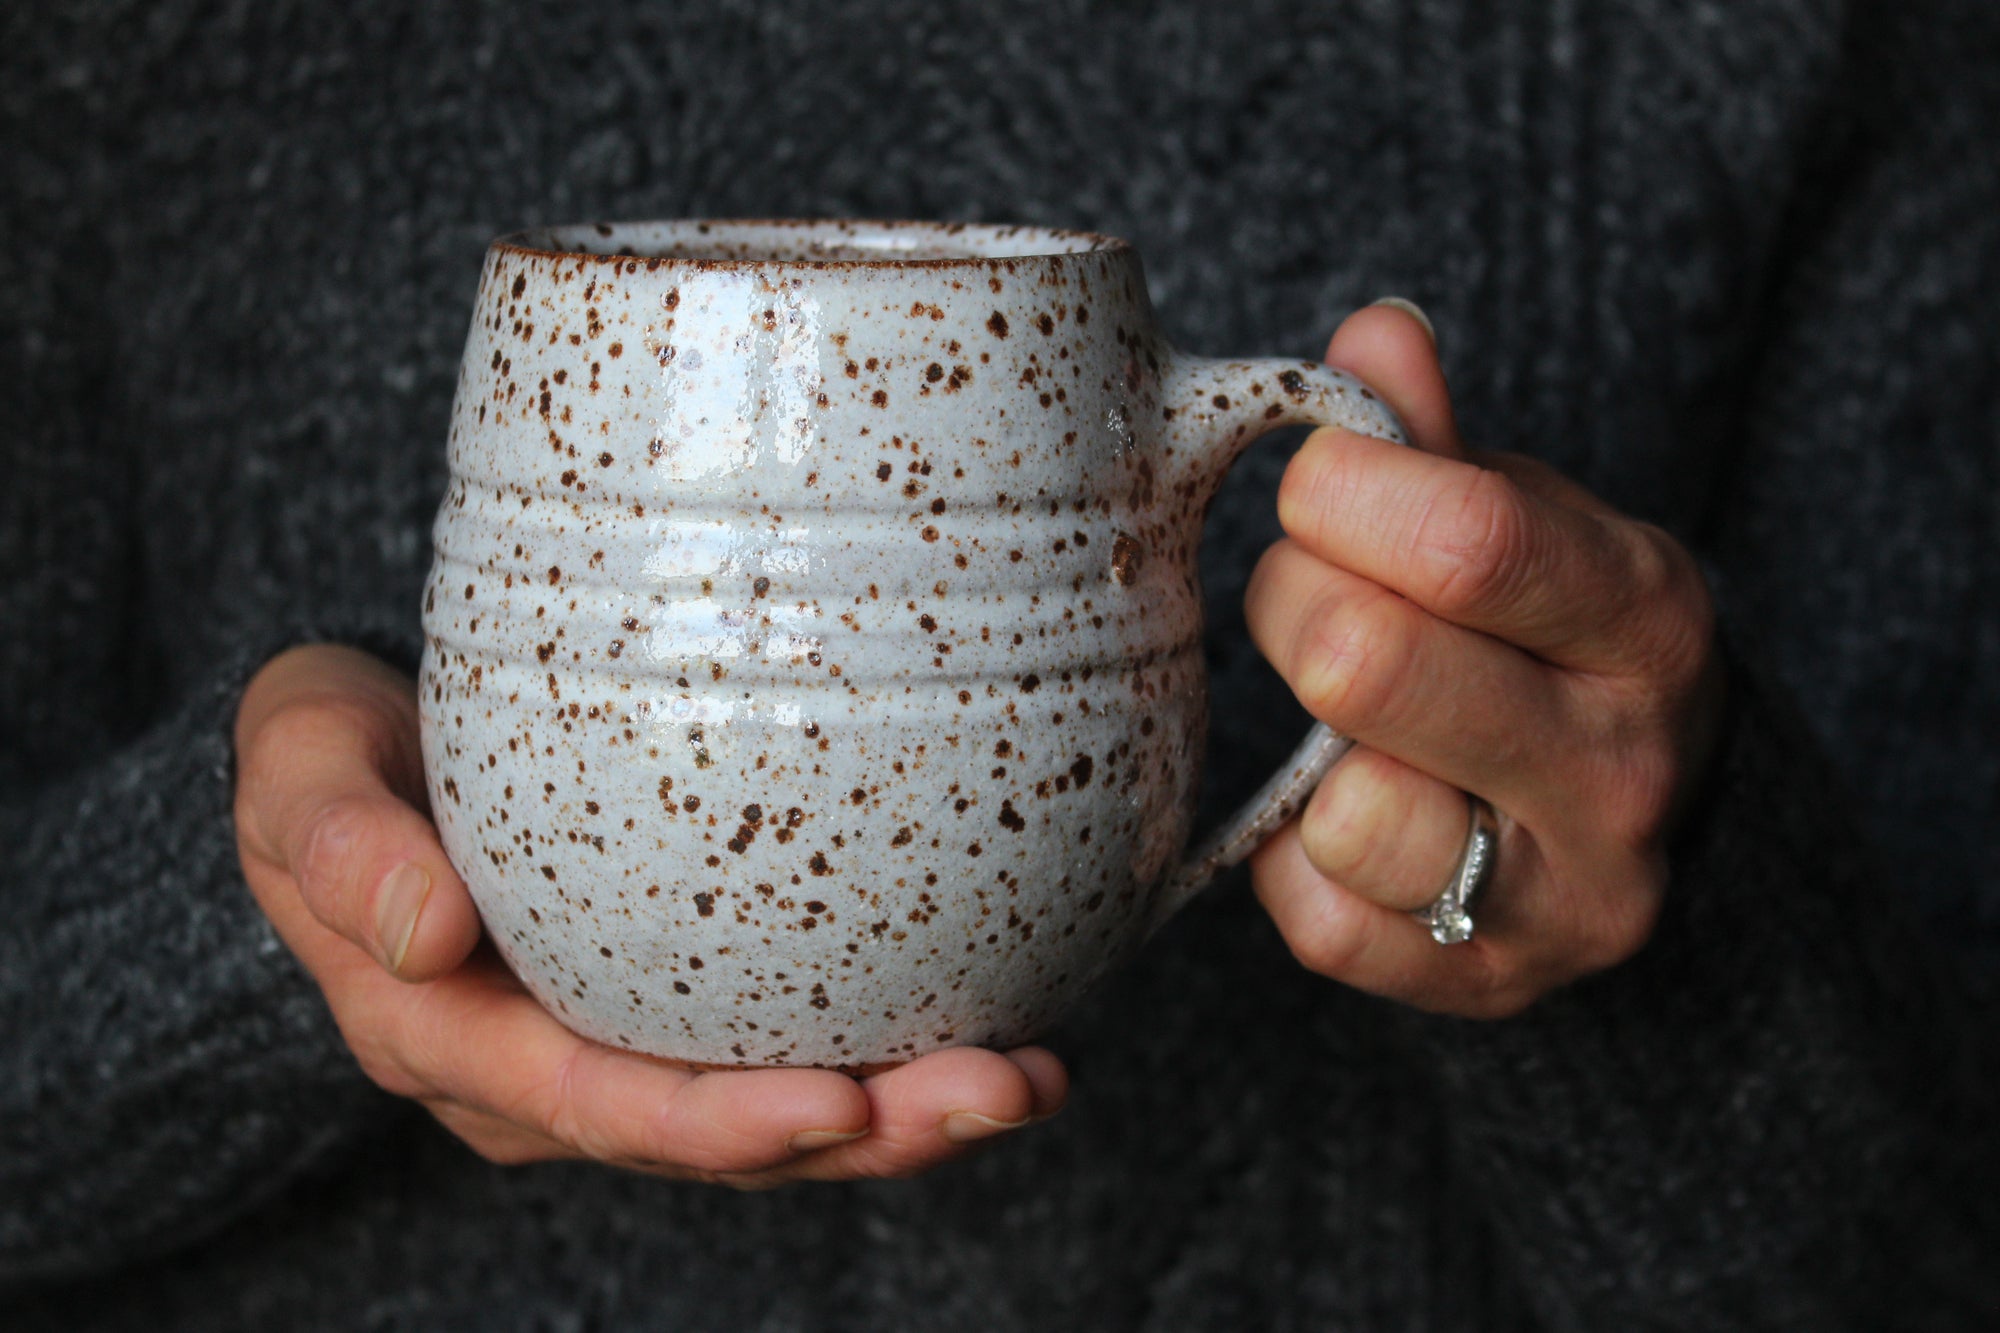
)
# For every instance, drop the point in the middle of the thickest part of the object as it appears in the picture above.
(557, 241)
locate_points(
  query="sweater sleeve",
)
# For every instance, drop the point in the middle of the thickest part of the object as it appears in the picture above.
(165, 1065)
(1771, 1118)
(1778, 1115)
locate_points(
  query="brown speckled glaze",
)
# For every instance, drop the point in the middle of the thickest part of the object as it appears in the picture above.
(813, 668)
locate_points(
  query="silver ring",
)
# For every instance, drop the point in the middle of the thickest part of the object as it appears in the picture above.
(1450, 917)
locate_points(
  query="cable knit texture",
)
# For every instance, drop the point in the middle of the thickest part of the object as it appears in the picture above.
(1735, 267)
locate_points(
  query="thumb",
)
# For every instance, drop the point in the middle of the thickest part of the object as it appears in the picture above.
(1392, 348)
(329, 773)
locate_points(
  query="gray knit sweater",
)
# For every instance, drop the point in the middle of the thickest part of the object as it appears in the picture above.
(1736, 267)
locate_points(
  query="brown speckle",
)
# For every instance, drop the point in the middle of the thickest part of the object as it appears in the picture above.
(1126, 558)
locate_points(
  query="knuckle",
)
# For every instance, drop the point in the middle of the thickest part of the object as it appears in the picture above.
(1346, 830)
(1475, 539)
(1646, 555)
(1639, 794)
(1678, 611)
(381, 1047)
(1269, 597)
(557, 1111)
(1624, 920)
(382, 1068)
(331, 850)
(1317, 483)
(310, 719)
(1327, 943)
(1351, 658)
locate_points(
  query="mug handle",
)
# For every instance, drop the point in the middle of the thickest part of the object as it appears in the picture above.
(1213, 410)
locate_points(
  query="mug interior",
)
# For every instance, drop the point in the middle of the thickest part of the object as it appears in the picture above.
(700, 241)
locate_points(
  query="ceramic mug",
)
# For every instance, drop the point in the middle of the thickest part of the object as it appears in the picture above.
(813, 669)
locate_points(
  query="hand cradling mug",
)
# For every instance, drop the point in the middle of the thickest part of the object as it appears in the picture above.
(813, 669)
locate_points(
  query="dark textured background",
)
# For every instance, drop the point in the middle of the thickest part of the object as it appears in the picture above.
(1733, 267)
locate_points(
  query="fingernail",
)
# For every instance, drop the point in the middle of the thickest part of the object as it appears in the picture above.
(397, 905)
(812, 1140)
(1414, 311)
(970, 1126)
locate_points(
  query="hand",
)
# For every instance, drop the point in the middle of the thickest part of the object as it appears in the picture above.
(1478, 624)
(336, 845)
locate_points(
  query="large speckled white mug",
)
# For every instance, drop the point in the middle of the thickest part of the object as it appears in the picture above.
(813, 669)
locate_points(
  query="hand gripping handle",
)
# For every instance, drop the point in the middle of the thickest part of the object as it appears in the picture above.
(1219, 409)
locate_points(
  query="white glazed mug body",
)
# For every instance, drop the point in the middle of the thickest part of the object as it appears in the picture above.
(813, 668)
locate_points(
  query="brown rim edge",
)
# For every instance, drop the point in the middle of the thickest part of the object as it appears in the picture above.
(516, 243)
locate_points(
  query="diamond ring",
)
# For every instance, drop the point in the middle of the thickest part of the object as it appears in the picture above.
(1450, 917)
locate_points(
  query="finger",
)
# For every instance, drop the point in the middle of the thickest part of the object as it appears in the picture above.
(1543, 482)
(1465, 708)
(500, 1142)
(1394, 352)
(1384, 830)
(1476, 547)
(1381, 950)
(932, 1110)
(477, 1038)
(328, 758)
(1048, 1080)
